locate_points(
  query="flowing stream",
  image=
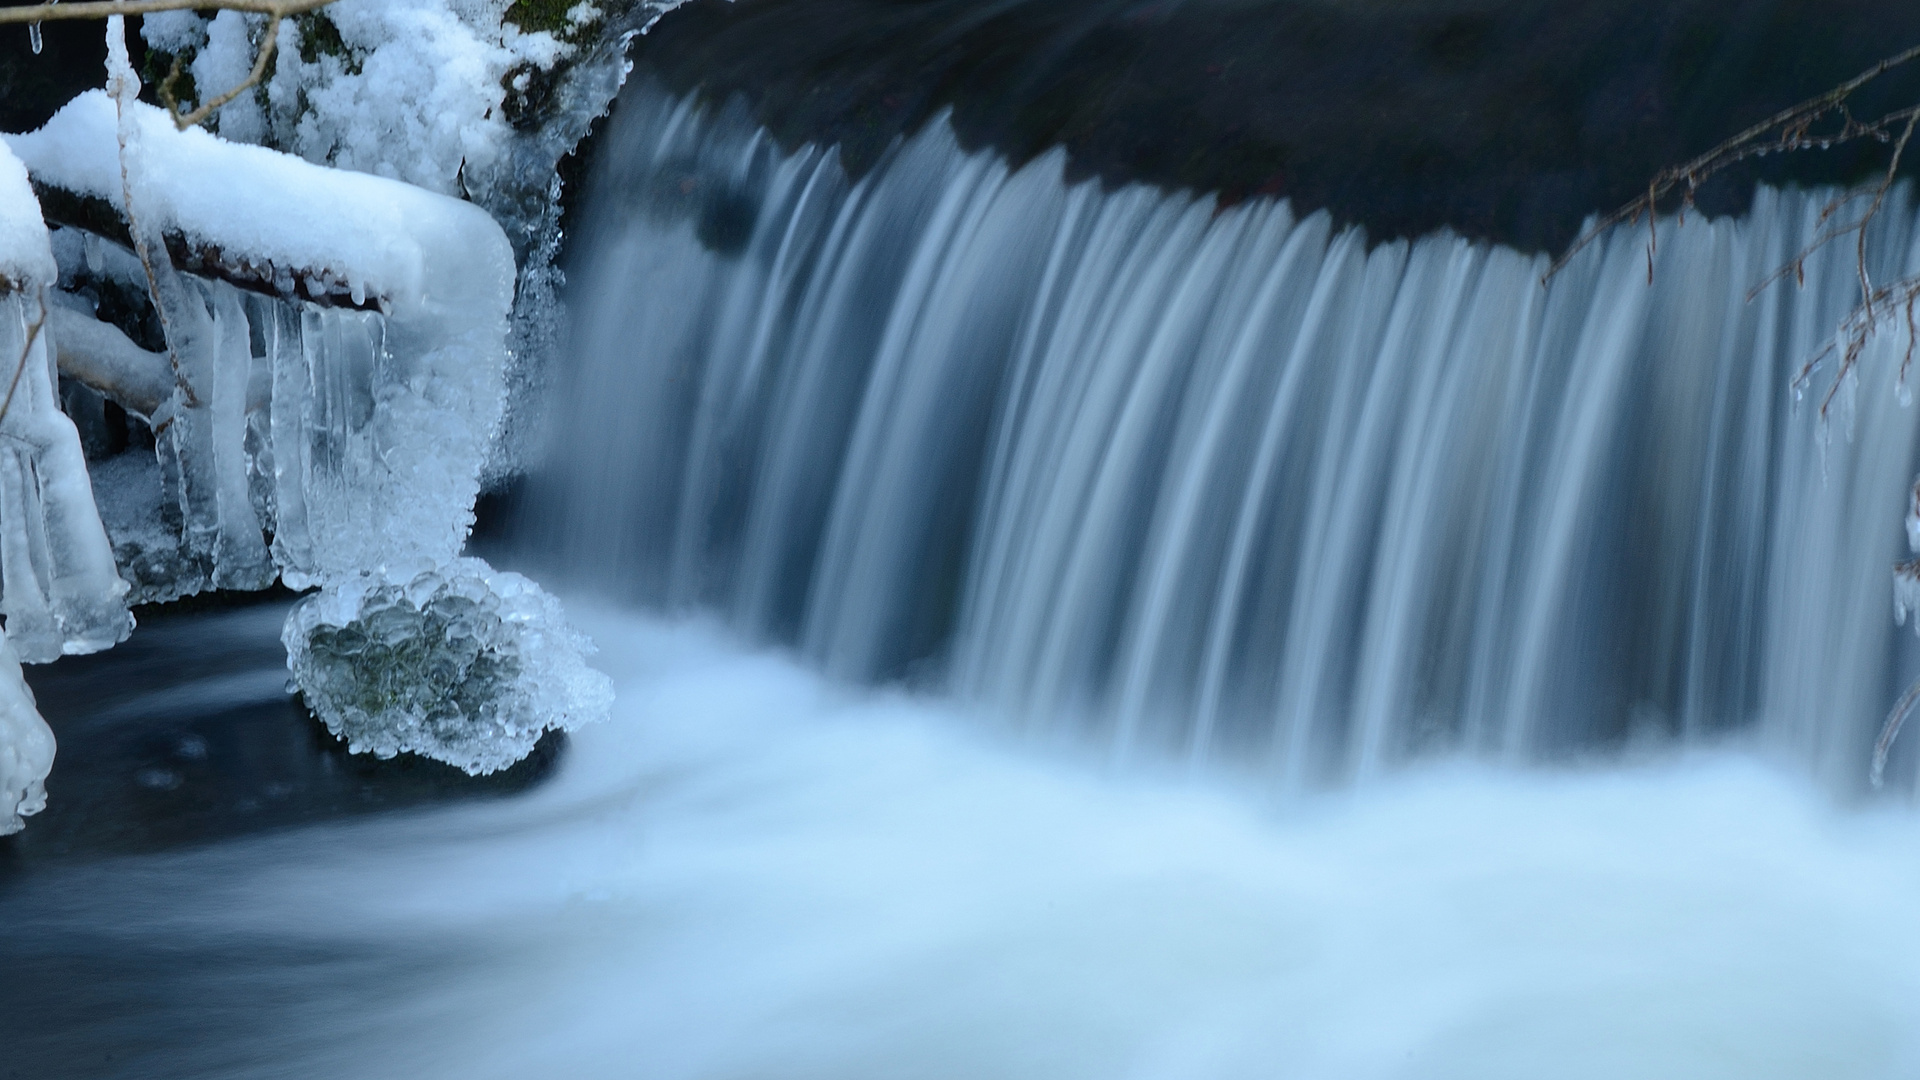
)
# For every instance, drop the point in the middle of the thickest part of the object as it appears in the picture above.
(1137, 470)
(1074, 633)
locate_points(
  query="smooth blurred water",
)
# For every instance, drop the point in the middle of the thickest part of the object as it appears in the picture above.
(753, 871)
(1469, 671)
(1172, 479)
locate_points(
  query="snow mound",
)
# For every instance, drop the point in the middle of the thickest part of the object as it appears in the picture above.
(25, 254)
(465, 664)
(325, 230)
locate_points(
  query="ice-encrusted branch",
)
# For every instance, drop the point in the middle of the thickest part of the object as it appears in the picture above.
(123, 85)
(1788, 130)
(1891, 731)
(99, 356)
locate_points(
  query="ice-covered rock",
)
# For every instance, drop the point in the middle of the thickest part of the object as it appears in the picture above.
(339, 346)
(464, 664)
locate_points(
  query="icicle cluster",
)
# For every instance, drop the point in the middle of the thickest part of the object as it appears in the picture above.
(331, 382)
(464, 664)
(1906, 575)
(352, 435)
(477, 97)
(58, 587)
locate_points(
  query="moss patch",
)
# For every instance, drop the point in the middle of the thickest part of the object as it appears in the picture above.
(534, 15)
(320, 37)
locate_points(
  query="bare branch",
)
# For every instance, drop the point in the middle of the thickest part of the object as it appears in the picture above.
(185, 120)
(1788, 130)
(100, 9)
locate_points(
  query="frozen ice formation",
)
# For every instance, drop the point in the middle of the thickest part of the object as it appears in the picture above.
(26, 747)
(319, 355)
(59, 590)
(337, 354)
(465, 664)
(480, 98)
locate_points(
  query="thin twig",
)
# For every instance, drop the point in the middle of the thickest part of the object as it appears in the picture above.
(1793, 126)
(26, 351)
(183, 121)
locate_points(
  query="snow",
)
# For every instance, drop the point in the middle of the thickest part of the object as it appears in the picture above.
(225, 60)
(465, 664)
(417, 95)
(359, 234)
(25, 254)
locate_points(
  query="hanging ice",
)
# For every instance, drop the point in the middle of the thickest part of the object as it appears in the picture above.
(339, 345)
(465, 664)
(58, 589)
(331, 383)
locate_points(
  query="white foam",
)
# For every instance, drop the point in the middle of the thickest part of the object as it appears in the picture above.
(755, 873)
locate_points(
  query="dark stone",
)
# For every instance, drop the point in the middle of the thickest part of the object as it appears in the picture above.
(1508, 120)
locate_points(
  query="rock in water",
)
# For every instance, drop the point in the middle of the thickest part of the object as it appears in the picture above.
(464, 664)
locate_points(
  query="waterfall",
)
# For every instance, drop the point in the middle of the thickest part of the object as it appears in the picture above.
(1227, 483)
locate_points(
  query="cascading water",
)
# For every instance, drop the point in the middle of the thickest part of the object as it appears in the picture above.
(1127, 468)
(1227, 483)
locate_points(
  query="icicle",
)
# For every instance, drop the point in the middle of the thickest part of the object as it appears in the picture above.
(1913, 518)
(289, 420)
(26, 746)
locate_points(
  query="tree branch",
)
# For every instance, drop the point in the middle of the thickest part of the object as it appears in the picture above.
(185, 120)
(100, 9)
(98, 355)
(1785, 131)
